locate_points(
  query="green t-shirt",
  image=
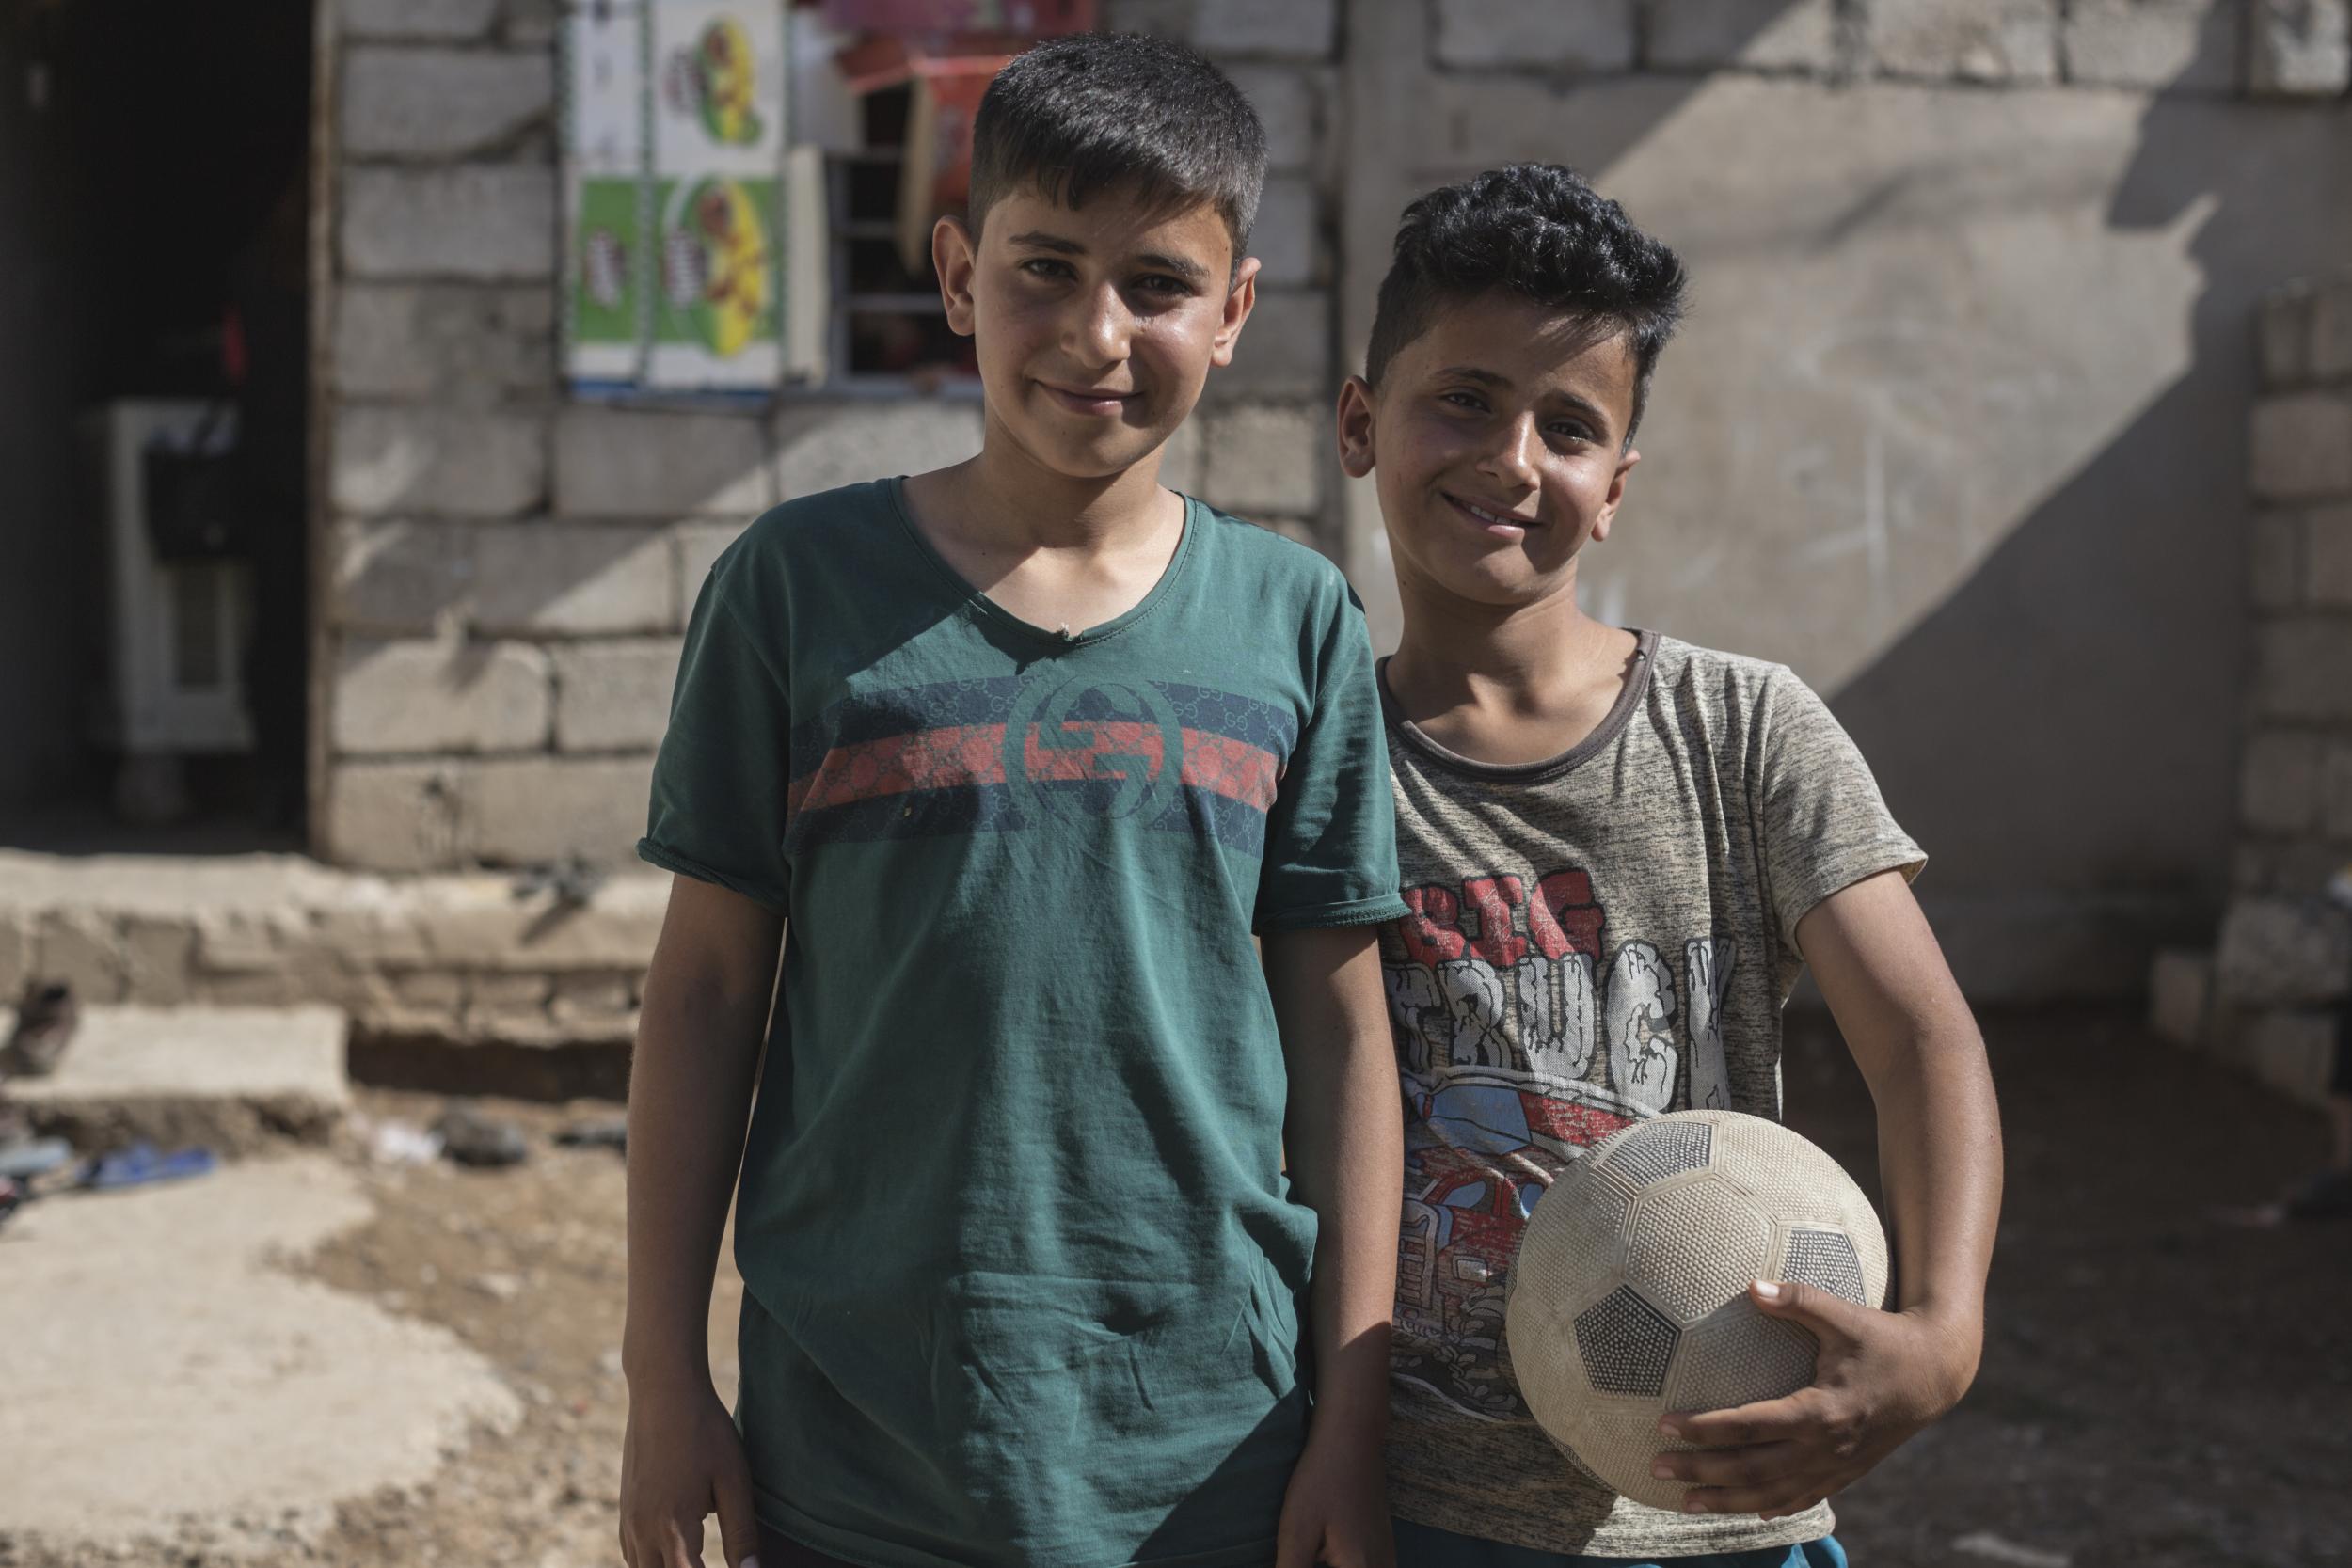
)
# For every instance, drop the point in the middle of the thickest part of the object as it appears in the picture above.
(1023, 1275)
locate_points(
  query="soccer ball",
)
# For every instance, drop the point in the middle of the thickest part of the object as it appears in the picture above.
(1629, 1297)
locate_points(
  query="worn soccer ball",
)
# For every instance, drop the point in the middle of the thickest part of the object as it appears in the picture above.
(1629, 1298)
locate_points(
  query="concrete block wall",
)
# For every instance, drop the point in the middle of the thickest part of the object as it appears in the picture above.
(2267, 997)
(508, 570)
(2277, 47)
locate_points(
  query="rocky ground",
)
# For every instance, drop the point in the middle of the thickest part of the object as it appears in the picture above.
(2163, 1386)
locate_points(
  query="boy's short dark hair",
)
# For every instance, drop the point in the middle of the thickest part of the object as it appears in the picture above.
(1539, 232)
(1118, 111)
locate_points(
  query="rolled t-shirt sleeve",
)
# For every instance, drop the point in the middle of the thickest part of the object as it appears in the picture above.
(722, 781)
(1824, 825)
(1330, 851)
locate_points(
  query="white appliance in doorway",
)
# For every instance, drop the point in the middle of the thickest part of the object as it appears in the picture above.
(178, 632)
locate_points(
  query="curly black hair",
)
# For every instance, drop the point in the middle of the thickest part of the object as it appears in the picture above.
(1539, 232)
(1118, 111)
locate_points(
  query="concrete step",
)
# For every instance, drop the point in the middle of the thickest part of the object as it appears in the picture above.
(452, 960)
(231, 1079)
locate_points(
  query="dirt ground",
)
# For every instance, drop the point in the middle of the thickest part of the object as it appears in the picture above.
(2162, 1388)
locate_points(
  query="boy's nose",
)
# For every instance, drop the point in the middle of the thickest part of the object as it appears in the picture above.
(1096, 331)
(1512, 458)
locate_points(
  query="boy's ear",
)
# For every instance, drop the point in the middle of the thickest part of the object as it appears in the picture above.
(1608, 514)
(955, 256)
(1240, 300)
(1355, 427)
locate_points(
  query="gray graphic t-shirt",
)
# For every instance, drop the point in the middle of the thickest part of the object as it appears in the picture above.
(1594, 939)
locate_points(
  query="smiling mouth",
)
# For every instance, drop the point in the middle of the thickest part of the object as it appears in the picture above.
(1084, 401)
(1486, 517)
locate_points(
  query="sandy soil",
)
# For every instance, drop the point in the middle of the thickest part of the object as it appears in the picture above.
(2161, 1388)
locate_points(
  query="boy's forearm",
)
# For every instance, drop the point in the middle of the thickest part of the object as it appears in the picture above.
(1911, 1034)
(1346, 1147)
(1940, 1166)
(690, 1097)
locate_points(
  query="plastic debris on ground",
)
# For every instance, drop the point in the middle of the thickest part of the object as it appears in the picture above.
(596, 1133)
(46, 1018)
(470, 1138)
(142, 1164)
(24, 1158)
(400, 1143)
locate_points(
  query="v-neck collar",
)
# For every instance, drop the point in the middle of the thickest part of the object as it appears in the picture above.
(986, 609)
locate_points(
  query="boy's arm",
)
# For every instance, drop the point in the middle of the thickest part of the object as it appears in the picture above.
(690, 1093)
(1881, 1376)
(1346, 1140)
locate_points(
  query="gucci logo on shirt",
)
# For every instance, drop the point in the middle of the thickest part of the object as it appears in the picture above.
(1086, 748)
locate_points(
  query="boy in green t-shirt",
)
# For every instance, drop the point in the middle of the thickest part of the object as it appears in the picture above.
(1025, 751)
(1618, 850)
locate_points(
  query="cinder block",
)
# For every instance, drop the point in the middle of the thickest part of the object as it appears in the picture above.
(433, 103)
(1543, 35)
(2327, 540)
(632, 463)
(481, 221)
(574, 579)
(2335, 792)
(1759, 35)
(1975, 41)
(401, 816)
(821, 447)
(1265, 458)
(529, 23)
(2278, 782)
(2284, 952)
(1290, 104)
(2302, 446)
(371, 936)
(2303, 669)
(440, 697)
(158, 953)
(2168, 45)
(82, 949)
(479, 924)
(2283, 329)
(532, 811)
(2275, 560)
(614, 696)
(459, 343)
(2300, 48)
(416, 19)
(393, 578)
(1286, 350)
(2331, 350)
(2180, 996)
(699, 547)
(1288, 231)
(453, 462)
(1294, 29)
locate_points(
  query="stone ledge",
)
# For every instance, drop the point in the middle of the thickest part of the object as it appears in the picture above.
(229, 1078)
(456, 959)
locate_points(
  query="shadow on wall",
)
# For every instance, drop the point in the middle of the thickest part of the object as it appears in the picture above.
(2111, 622)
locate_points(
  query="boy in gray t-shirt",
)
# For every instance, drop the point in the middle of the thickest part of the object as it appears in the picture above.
(1618, 850)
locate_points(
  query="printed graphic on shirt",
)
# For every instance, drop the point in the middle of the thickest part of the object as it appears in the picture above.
(1012, 752)
(1522, 1039)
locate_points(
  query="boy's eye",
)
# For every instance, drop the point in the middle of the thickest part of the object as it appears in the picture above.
(1161, 283)
(1045, 266)
(1463, 400)
(1571, 432)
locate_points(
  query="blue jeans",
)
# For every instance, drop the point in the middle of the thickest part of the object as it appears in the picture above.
(1426, 1546)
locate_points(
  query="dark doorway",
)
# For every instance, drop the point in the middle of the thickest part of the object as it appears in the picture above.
(153, 222)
